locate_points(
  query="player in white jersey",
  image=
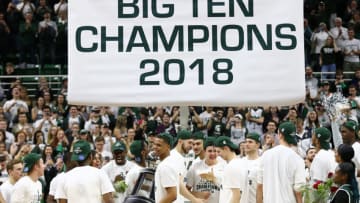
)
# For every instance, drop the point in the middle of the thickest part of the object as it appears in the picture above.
(324, 160)
(234, 176)
(251, 164)
(204, 176)
(166, 177)
(349, 133)
(281, 173)
(29, 188)
(84, 183)
(138, 148)
(118, 168)
(178, 161)
(15, 169)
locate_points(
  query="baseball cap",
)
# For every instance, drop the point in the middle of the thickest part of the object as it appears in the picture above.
(223, 141)
(118, 146)
(167, 138)
(136, 147)
(184, 135)
(288, 129)
(351, 125)
(198, 135)
(323, 135)
(254, 136)
(210, 141)
(30, 160)
(81, 151)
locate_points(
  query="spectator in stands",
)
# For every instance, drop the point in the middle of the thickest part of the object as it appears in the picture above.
(339, 33)
(356, 79)
(47, 30)
(351, 9)
(11, 106)
(307, 41)
(60, 144)
(61, 106)
(166, 125)
(27, 40)
(355, 23)
(311, 82)
(51, 135)
(61, 40)
(36, 111)
(4, 36)
(38, 142)
(254, 120)
(41, 9)
(26, 6)
(46, 122)
(354, 100)
(339, 83)
(60, 7)
(328, 59)
(351, 51)
(318, 39)
(6, 82)
(73, 116)
(20, 140)
(64, 87)
(273, 114)
(22, 124)
(323, 117)
(13, 18)
(269, 139)
(236, 128)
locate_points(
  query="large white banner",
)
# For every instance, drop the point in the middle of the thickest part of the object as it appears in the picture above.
(186, 52)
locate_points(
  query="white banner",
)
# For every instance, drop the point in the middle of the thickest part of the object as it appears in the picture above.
(186, 52)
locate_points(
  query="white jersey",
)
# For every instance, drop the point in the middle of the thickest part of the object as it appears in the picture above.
(84, 184)
(132, 176)
(165, 177)
(112, 170)
(27, 190)
(281, 172)
(233, 177)
(54, 184)
(251, 168)
(6, 190)
(178, 162)
(197, 179)
(323, 163)
(356, 159)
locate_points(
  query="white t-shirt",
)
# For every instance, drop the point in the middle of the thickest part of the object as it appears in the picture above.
(112, 170)
(205, 117)
(201, 184)
(251, 168)
(233, 177)
(281, 172)
(54, 184)
(132, 176)
(351, 45)
(45, 128)
(6, 190)
(84, 184)
(323, 163)
(27, 190)
(178, 162)
(356, 159)
(165, 177)
(14, 107)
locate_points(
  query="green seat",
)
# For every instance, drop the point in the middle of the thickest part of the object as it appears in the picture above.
(27, 71)
(51, 69)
